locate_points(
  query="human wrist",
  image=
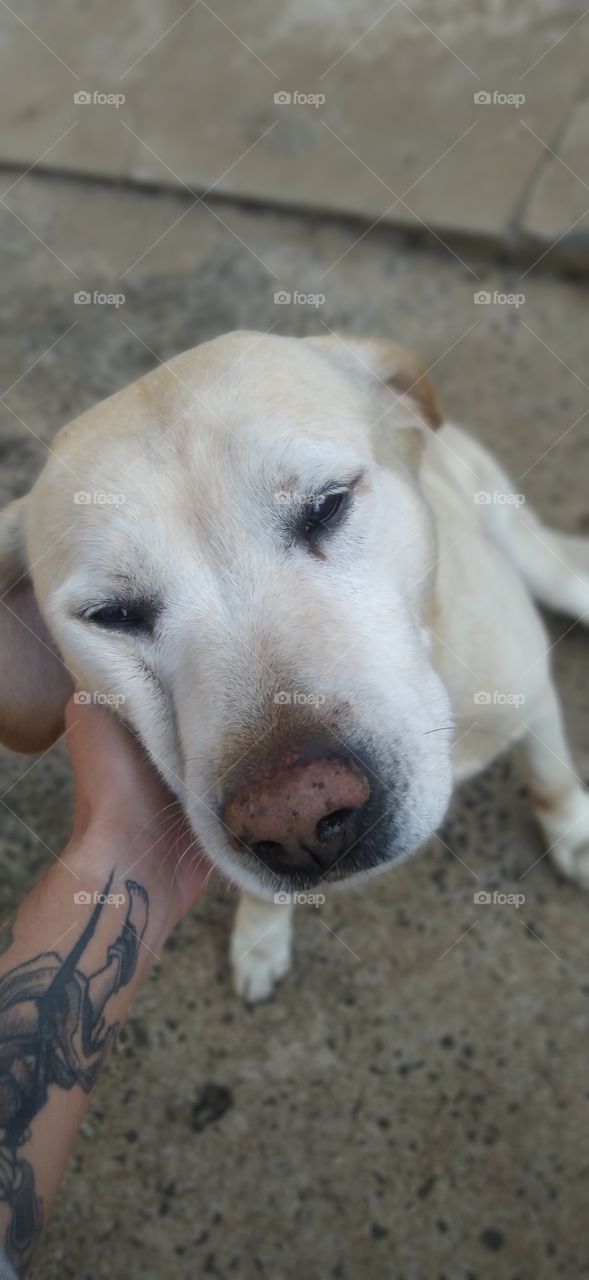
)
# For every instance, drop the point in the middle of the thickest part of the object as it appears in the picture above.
(99, 866)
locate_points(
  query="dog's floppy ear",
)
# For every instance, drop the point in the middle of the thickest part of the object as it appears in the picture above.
(392, 371)
(34, 683)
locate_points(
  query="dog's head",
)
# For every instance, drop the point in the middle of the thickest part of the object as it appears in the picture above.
(234, 552)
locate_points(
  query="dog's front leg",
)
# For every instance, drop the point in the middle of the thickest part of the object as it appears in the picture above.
(260, 946)
(559, 799)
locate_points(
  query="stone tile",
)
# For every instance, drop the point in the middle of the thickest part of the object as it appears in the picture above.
(400, 1114)
(398, 120)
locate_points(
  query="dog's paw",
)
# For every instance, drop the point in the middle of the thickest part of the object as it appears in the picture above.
(571, 858)
(256, 971)
(569, 845)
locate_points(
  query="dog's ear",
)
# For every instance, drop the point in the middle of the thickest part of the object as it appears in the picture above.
(393, 373)
(34, 683)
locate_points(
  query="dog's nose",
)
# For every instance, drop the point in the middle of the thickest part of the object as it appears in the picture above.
(303, 813)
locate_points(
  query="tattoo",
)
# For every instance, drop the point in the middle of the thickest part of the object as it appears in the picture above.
(53, 1031)
(6, 937)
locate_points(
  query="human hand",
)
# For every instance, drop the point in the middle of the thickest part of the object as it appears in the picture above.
(126, 815)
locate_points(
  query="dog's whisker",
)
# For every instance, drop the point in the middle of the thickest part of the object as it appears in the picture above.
(173, 804)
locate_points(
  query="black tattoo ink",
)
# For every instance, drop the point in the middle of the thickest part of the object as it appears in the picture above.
(6, 937)
(53, 1031)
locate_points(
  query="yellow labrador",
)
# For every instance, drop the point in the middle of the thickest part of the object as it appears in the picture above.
(312, 600)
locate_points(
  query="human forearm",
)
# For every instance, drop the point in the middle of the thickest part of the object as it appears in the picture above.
(73, 959)
(70, 963)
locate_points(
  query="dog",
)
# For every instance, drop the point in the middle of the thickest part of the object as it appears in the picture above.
(312, 600)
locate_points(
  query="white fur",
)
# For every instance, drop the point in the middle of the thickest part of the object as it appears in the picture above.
(423, 598)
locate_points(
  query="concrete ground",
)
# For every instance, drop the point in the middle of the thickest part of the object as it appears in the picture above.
(467, 118)
(413, 1102)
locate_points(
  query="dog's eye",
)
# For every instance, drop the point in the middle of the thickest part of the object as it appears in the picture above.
(122, 617)
(324, 510)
